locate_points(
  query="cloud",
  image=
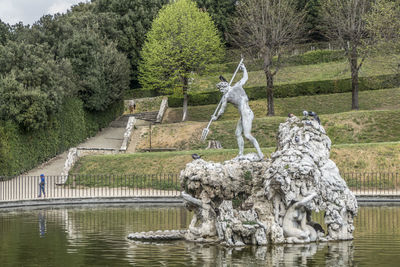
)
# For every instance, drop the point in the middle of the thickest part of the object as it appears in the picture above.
(61, 6)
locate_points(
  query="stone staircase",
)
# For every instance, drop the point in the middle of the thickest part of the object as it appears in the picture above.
(146, 116)
(120, 122)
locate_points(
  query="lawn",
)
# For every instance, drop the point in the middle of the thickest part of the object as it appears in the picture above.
(386, 99)
(302, 73)
(358, 158)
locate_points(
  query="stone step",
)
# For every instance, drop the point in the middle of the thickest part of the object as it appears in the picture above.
(120, 122)
(147, 116)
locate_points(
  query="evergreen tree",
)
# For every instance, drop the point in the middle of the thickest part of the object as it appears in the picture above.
(102, 73)
(32, 84)
(221, 11)
(4, 32)
(133, 20)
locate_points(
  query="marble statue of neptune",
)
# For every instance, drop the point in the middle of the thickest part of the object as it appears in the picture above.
(237, 96)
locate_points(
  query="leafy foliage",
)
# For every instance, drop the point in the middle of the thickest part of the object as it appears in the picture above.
(132, 21)
(102, 72)
(33, 84)
(383, 26)
(182, 40)
(4, 32)
(221, 12)
(22, 150)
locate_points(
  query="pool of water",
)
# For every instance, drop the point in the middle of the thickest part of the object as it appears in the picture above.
(88, 236)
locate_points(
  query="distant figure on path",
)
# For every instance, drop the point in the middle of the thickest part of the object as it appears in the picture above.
(132, 105)
(41, 186)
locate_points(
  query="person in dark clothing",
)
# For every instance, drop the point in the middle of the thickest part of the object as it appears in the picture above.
(41, 186)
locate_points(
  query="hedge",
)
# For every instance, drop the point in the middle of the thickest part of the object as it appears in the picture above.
(294, 89)
(21, 151)
(307, 58)
(139, 93)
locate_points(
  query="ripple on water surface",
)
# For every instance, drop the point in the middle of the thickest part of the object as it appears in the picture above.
(97, 237)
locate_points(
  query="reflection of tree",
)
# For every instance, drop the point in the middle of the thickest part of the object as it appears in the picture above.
(100, 239)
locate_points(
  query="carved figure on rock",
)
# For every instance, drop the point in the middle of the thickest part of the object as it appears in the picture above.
(238, 97)
(250, 202)
(295, 227)
(202, 226)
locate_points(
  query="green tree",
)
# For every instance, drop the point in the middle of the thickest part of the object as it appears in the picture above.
(133, 20)
(182, 40)
(383, 26)
(312, 19)
(102, 73)
(32, 84)
(4, 32)
(221, 12)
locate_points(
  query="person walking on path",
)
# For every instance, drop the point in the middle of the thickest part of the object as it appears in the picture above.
(132, 105)
(41, 186)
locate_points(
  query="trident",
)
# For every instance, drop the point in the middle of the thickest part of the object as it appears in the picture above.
(206, 130)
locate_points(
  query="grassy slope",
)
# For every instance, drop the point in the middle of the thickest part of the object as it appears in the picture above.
(303, 73)
(358, 157)
(388, 99)
(145, 104)
(342, 128)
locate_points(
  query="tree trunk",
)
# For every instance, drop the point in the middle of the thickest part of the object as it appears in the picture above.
(270, 93)
(185, 98)
(270, 80)
(354, 79)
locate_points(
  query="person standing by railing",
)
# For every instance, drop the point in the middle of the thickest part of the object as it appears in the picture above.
(41, 186)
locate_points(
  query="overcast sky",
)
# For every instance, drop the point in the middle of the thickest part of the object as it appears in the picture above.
(29, 11)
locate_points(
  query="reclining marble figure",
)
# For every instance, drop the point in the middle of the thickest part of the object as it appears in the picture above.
(295, 227)
(238, 97)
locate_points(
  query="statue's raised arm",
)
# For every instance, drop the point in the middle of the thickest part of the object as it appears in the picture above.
(245, 77)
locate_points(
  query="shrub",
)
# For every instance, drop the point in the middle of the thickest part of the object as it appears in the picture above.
(22, 150)
(295, 89)
(139, 93)
(307, 58)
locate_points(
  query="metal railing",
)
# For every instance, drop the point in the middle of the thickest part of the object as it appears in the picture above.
(90, 186)
(373, 183)
(157, 185)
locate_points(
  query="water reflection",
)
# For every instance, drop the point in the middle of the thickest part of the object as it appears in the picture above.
(42, 223)
(326, 254)
(87, 236)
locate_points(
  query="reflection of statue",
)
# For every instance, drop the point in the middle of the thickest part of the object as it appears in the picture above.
(295, 226)
(237, 96)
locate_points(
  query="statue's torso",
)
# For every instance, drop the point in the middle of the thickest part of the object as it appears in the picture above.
(238, 97)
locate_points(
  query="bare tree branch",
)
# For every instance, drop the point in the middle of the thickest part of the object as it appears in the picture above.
(261, 28)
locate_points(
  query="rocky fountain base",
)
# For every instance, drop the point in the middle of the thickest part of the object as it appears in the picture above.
(245, 201)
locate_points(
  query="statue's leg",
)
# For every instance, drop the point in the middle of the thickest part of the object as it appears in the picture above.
(247, 123)
(239, 137)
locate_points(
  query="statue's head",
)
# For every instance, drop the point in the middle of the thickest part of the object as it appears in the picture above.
(223, 85)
